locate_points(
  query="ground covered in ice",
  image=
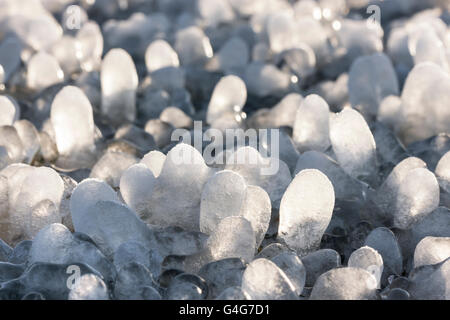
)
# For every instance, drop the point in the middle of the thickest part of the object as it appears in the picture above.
(118, 181)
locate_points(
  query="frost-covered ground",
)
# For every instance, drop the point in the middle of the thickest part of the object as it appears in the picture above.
(224, 149)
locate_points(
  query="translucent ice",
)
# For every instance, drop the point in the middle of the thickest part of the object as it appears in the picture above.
(435, 224)
(135, 136)
(358, 39)
(136, 32)
(368, 259)
(21, 252)
(15, 175)
(263, 280)
(4, 157)
(398, 294)
(271, 174)
(353, 144)
(257, 209)
(131, 276)
(426, 46)
(305, 211)
(280, 29)
(42, 214)
(245, 7)
(29, 137)
(319, 262)
(187, 287)
(9, 271)
(261, 52)
(335, 92)
(10, 140)
(176, 117)
(177, 241)
(286, 110)
(154, 160)
(66, 52)
(169, 78)
(33, 296)
(345, 284)
(233, 55)
(423, 109)
(48, 150)
(431, 150)
(111, 166)
(315, 38)
(384, 241)
(175, 225)
(265, 79)
(43, 70)
(443, 172)
(28, 188)
(110, 224)
(73, 124)
(10, 51)
(10, 111)
(90, 41)
(226, 194)
(415, 201)
(431, 250)
(308, 8)
(183, 175)
(430, 282)
(5, 251)
(232, 238)
(136, 185)
(32, 23)
(293, 267)
(229, 96)
(86, 195)
(89, 82)
(345, 187)
(333, 9)
(282, 114)
(159, 55)
(389, 149)
(36, 279)
(64, 207)
(89, 287)
(311, 127)
(222, 196)
(182, 98)
(387, 192)
(192, 46)
(272, 250)
(215, 12)
(397, 47)
(119, 81)
(222, 274)
(133, 251)
(160, 131)
(145, 293)
(371, 79)
(56, 244)
(300, 61)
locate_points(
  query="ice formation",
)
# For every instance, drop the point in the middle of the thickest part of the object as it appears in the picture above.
(224, 149)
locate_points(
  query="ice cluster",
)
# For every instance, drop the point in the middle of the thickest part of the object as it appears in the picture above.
(108, 109)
